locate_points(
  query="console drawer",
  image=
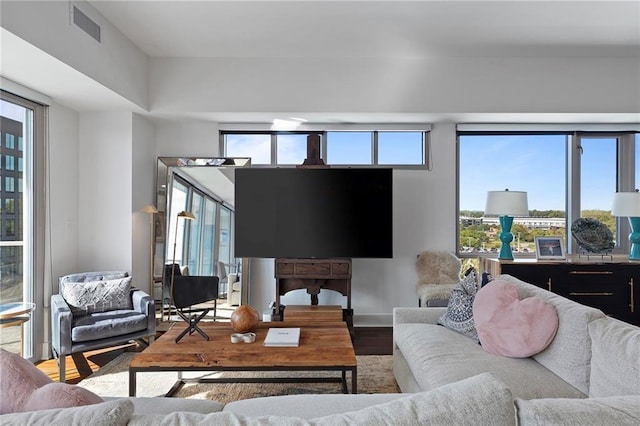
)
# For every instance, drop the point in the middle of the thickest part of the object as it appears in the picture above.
(315, 268)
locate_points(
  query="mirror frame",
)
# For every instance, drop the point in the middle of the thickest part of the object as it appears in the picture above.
(164, 178)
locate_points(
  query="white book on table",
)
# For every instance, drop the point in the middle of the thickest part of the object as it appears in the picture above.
(282, 337)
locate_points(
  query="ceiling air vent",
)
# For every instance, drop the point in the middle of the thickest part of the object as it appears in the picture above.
(86, 24)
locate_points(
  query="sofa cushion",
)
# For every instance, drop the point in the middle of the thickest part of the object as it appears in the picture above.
(307, 406)
(615, 359)
(437, 356)
(19, 378)
(88, 297)
(102, 325)
(459, 315)
(114, 413)
(569, 354)
(59, 395)
(483, 399)
(163, 405)
(508, 326)
(621, 410)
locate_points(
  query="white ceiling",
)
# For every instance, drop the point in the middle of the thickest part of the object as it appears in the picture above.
(290, 29)
(377, 28)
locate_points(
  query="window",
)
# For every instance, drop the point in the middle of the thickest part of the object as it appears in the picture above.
(22, 218)
(205, 239)
(566, 175)
(9, 184)
(349, 148)
(209, 238)
(10, 141)
(225, 235)
(195, 233)
(598, 174)
(9, 206)
(406, 148)
(176, 234)
(401, 148)
(258, 147)
(532, 163)
(9, 228)
(291, 148)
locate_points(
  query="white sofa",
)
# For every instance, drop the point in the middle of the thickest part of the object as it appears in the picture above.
(590, 374)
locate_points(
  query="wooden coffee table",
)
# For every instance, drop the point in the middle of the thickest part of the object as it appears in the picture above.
(323, 347)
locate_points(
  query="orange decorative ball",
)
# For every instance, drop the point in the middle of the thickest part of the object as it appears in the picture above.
(244, 319)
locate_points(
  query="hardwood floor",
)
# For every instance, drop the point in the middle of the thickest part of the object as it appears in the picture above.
(367, 341)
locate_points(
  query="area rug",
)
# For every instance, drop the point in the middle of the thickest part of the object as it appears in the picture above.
(374, 376)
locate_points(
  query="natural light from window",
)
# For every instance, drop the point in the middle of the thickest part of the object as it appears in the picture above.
(258, 147)
(531, 163)
(400, 148)
(349, 148)
(292, 149)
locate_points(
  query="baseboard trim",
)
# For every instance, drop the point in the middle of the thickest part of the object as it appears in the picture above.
(373, 320)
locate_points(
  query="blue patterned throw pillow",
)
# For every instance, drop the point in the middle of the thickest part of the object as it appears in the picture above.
(459, 315)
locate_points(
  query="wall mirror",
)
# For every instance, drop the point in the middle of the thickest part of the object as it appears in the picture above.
(202, 241)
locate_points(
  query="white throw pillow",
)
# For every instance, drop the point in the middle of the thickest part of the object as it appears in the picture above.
(98, 296)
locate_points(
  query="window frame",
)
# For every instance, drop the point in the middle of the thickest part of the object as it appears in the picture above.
(31, 217)
(625, 180)
(323, 132)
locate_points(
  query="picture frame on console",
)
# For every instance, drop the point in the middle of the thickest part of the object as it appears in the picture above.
(548, 248)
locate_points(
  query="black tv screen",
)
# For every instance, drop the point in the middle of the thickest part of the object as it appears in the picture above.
(313, 212)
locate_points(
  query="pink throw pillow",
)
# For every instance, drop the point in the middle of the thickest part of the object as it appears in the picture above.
(511, 327)
(19, 379)
(60, 395)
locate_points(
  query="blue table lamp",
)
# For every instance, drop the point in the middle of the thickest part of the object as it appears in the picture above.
(506, 204)
(627, 204)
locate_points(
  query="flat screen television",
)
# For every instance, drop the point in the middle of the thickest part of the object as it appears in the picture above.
(314, 212)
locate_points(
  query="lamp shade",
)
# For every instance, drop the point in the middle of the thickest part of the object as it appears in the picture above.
(626, 204)
(149, 208)
(186, 215)
(506, 203)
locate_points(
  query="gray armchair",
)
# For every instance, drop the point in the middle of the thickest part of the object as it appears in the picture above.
(96, 310)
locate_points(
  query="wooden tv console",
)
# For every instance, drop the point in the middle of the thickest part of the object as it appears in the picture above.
(314, 275)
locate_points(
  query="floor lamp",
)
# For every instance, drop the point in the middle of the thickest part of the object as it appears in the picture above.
(186, 216)
(151, 211)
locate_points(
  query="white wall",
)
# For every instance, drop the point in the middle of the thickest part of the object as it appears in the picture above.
(63, 191)
(187, 139)
(143, 193)
(105, 191)
(403, 85)
(115, 62)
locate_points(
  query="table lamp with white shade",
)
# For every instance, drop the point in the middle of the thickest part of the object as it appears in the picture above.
(506, 204)
(627, 204)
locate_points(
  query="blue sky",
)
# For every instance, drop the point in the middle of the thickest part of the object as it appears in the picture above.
(535, 164)
(344, 148)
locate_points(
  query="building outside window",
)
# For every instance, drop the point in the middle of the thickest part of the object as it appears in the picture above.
(22, 136)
